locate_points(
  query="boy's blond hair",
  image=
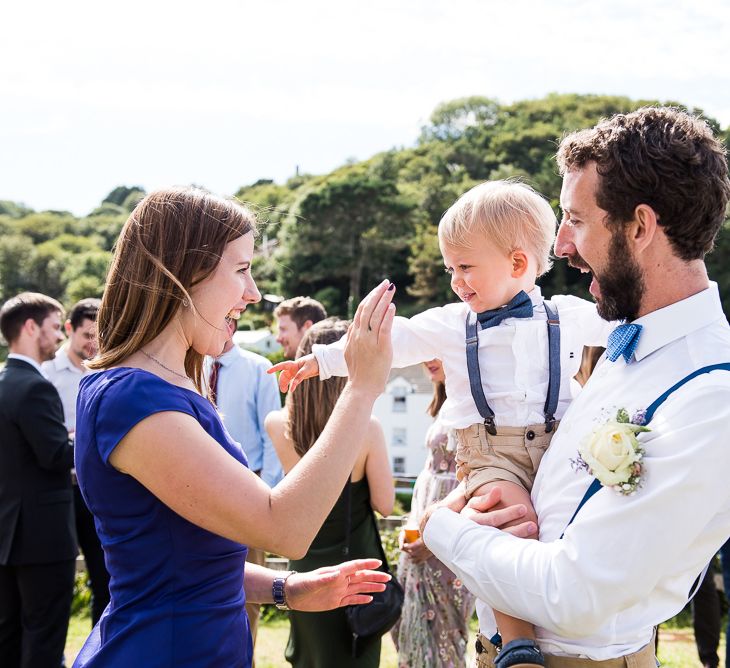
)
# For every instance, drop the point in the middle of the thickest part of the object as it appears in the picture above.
(512, 215)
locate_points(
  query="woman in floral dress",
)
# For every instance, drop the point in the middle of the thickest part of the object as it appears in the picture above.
(433, 628)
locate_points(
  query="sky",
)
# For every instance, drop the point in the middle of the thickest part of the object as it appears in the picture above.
(99, 94)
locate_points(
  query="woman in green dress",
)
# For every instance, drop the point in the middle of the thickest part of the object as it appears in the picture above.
(323, 639)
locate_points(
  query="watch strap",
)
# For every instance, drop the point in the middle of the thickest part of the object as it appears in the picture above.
(278, 590)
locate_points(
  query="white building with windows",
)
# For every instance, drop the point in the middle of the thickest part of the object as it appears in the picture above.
(401, 410)
(261, 341)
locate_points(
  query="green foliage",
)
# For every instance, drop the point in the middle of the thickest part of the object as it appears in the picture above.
(431, 284)
(389, 538)
(108, 209)
(403, 503)
(13, 209)
(81, 603)
(331, 297)
(268, 613)
(458, 118)
(44, 226)
(124, 196)
(350, 230)
(104, 226)
(85, 274)
(132, 199)
(334, 236)
(16, 252)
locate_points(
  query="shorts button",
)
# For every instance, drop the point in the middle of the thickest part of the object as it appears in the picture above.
(530, 435)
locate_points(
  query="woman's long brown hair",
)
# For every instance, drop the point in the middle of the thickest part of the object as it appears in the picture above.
(439, 396)
(172, 241)
(311, 404)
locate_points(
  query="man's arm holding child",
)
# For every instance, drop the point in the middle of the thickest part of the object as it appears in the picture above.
(618, 548)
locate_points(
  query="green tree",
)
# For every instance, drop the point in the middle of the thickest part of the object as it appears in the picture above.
(104, 227)
(45, 225)
(120, 194)
(13, 209)
(16, 254)
(347, 232)
(458, 118)
(132, 199)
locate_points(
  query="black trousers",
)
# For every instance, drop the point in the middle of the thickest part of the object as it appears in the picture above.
(35, 606)
(706, 615)
(93, 556)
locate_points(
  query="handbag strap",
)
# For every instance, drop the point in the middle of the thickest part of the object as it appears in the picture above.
(348, 528)
(348, 518)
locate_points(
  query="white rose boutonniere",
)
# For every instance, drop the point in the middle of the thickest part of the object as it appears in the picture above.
(613, 454)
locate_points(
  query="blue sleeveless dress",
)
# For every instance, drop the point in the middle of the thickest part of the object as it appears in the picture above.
(177, 596)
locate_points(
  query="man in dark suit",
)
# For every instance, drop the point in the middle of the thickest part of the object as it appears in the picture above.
(37, 535)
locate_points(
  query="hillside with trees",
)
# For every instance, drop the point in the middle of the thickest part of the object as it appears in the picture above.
(333, 236)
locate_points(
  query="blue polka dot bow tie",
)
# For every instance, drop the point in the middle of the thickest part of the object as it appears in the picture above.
(519, 306)
(623, 341)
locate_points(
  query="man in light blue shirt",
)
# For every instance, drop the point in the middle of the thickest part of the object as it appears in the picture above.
(245, 394)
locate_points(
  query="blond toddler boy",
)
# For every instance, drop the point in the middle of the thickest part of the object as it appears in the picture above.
(508, 356)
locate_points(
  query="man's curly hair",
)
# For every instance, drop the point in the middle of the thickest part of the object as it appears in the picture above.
(665, 158)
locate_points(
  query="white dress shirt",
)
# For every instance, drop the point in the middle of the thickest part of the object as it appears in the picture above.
(513, 357)
(626, 563)
(65, 376)
(246, 394)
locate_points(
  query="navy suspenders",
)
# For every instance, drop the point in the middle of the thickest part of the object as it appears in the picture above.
(595, 485)
(475, 376)
(553, 393)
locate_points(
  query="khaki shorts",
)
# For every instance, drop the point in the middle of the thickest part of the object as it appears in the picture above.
(644, 658)
(513, 454)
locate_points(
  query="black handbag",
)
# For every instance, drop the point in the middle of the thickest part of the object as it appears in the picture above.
(372, 620)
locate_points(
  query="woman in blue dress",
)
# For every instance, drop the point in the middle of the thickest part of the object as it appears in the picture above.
(173, 499)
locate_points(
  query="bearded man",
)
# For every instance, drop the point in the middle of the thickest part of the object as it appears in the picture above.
(632, 496)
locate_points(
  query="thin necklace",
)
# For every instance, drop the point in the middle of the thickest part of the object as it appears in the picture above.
(167, 368)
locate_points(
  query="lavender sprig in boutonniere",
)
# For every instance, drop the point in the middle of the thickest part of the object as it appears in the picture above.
(613, 454)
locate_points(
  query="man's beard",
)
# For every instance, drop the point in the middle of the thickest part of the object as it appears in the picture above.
(621, 283)
(82, 354)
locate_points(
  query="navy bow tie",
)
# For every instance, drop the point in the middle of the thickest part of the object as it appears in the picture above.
(623, 341)
(519, 306)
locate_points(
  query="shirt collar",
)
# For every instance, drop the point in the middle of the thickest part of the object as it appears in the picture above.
(63, 361)
(535, 296)
(29, 360)
(227, 357)
(677, 320)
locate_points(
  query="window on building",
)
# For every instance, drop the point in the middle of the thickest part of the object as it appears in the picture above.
(399, 404)
(399, 464)
(400, 436)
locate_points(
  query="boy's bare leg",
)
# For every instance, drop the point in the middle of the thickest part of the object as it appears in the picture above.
(511, 628)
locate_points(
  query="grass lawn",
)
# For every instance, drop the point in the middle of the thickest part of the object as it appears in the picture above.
(676, 645)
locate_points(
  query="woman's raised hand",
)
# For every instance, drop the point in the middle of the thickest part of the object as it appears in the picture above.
(369, 352)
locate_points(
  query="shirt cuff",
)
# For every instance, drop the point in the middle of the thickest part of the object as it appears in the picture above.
(440, 530)
(318, 350)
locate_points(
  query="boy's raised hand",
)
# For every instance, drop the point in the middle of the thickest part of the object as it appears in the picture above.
(295, 371)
